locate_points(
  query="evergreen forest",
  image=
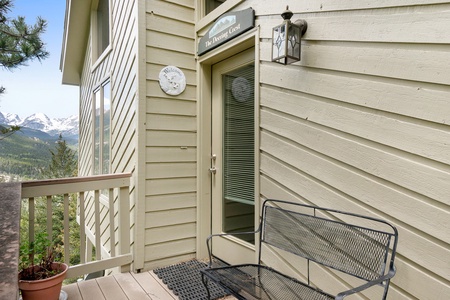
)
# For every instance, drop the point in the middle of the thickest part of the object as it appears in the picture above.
(23, 155)
(47, 161)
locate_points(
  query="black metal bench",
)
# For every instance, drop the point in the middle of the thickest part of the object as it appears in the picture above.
(361, 246)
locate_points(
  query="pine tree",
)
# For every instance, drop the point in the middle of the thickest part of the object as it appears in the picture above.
(6, 131)
(19, 43)
(63, 163)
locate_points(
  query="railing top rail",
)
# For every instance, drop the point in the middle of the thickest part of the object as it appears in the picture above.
(32, 183)
(48, 187)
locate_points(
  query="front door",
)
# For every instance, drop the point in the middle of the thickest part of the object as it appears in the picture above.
(233, 156)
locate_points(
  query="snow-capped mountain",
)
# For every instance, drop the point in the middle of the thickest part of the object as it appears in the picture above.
(9, 118)
(68, 127)
(37, 121)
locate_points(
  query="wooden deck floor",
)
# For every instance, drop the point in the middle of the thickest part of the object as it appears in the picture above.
(125, 286)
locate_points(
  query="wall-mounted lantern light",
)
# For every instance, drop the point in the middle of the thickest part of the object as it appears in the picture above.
(286, 39)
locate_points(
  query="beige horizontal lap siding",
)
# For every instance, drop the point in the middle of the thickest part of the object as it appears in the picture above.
(86, 121)
(170, 205)
(120, 66)
(362, 124)
(123, 70)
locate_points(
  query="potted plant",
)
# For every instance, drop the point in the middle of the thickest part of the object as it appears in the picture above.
(40, 276)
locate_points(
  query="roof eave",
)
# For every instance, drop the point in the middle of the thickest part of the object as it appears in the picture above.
(76, 32)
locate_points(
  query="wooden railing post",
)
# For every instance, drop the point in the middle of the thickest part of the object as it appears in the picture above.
(124, 224)
(49, 218)
(112, 233)
(98, 245)
(31, 219)
(82, 229)
(88, 250)
(10, 201)
(66, 229)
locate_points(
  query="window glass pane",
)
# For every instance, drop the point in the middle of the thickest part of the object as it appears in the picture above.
(106, 128)
(102, 26)
(238, 152)
(239, 141)
(210, 5)
(97, 130)
(102, 132)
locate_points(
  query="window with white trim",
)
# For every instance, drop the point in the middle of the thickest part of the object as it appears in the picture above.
(211, 5)
(101, 29)
(102, 131)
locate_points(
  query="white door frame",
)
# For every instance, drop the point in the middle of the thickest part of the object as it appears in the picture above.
(204, 90)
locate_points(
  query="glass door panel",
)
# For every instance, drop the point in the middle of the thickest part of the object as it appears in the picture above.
(238, 151)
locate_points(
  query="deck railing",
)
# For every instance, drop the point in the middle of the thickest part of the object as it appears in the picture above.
(103, 204)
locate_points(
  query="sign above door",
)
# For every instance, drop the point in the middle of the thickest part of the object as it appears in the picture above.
(227, 27)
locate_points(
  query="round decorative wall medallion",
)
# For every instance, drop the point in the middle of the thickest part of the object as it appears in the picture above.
(172, 80)
(241, 89)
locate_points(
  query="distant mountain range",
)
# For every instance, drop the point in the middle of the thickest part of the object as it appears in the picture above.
(26, 152)
(40, 126)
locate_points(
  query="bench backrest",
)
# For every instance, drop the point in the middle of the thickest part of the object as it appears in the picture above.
(355, 250)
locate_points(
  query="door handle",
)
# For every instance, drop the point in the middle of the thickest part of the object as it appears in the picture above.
(213, 169)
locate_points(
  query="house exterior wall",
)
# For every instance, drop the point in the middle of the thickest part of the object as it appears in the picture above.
(153, 135)
(170, 132)
(119, 65)
(362, 124)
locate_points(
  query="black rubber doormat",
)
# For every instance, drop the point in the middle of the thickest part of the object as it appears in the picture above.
(185, 281)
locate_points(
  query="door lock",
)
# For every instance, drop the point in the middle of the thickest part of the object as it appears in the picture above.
(213, 170)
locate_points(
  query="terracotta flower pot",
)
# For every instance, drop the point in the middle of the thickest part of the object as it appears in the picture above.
(44, 289)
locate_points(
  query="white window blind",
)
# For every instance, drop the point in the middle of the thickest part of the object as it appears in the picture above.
(239, 135)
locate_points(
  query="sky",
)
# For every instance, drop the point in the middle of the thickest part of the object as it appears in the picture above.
(37, 87)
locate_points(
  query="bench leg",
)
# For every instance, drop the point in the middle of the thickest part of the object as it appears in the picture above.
(205, 283)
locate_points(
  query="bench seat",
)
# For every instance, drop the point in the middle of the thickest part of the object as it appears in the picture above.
(251, 281)
(360, 246)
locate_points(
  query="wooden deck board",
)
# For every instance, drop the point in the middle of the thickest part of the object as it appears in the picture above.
(124, 286)
(90, 290)
(73, 292)
(111, 289)
(153, 286)
(131, 287)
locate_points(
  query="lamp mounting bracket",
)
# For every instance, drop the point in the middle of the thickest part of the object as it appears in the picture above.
(303, 25)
